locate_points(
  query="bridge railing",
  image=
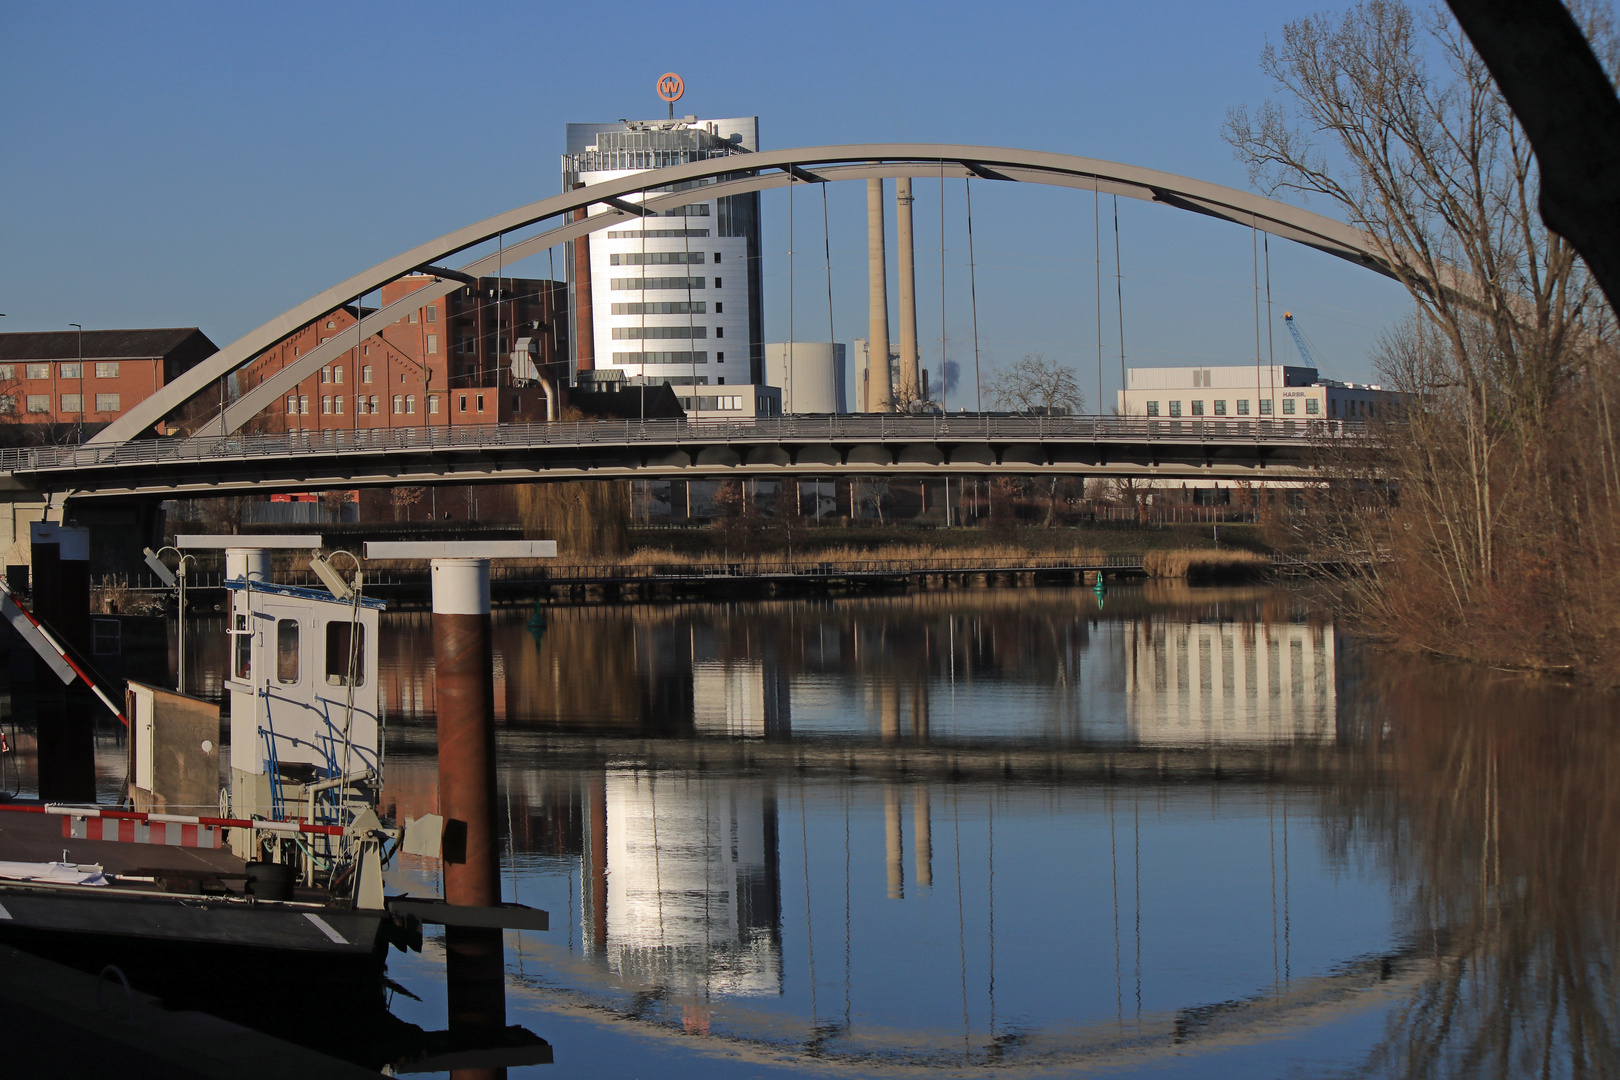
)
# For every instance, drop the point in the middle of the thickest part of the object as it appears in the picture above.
(965, 428)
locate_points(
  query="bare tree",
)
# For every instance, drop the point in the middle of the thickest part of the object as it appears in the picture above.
(1037, 386)
(1509, 360)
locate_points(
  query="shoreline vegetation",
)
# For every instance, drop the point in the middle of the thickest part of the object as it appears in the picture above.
(1491, 507)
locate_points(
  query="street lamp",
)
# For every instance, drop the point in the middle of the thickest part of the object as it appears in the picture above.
(78, 425)
(174, 579)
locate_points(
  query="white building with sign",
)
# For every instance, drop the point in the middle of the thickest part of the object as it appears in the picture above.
(676, 297)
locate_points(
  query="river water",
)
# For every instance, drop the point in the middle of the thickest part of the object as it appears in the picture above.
(1168, 832)
(1176, 832)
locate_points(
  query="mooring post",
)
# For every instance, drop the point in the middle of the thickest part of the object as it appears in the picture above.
(464, 686)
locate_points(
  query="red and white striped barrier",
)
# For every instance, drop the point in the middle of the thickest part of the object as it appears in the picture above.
(174, 834)
(183, 830)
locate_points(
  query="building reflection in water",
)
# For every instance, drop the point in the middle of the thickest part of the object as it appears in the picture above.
(686, 886)
(1230, 682)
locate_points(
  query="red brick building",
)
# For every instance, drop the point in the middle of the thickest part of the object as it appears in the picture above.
(43, 379)
(447, 362)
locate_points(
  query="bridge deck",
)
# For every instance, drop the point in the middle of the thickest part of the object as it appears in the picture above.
(966, 444)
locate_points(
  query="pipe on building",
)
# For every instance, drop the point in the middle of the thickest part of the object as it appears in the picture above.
(910, 385)
(879, 390)
(584, 317)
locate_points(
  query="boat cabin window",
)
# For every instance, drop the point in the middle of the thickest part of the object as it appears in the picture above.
(340, 651)
(242, 665)
(287, 650)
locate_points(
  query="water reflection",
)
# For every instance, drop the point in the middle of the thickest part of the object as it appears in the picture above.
(826, 828)
(1199, 830)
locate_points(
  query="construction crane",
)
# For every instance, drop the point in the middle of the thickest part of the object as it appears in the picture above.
(1306, 353)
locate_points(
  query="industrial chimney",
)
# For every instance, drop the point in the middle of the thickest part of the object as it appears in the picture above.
(879, 388)
(909, 385)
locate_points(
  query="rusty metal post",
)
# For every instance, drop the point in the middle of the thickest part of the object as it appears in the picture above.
(464, 686)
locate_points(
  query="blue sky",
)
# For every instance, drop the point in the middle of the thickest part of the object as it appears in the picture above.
(214, 164)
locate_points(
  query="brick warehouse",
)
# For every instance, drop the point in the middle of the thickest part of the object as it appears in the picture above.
(452, 361)
(43, 380)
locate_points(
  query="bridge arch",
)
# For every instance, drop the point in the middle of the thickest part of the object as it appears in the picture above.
(733, 175)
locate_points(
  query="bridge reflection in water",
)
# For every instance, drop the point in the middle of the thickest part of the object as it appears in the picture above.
(1005, 828)
(773, 823)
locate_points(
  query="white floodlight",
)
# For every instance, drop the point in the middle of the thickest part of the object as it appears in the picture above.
(164, 574)
(331, 578)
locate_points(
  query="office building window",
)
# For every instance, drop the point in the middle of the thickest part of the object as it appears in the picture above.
(1220, 406)
(105, 369)
(107, 403)
(462, 404)
(8, 372)
(399, 404)
(717, 256)
(73, 371)
(670, 307)
(1265, 407)
(433, 404)
(1243, 406)
(1288, 407)
(719, 357)
(410, 404)
(432, 313)
(717, 283)
(38, 403)
(330, 325)
(633, 333)
(635, 284)
(371, 405)
(337, 404)
(480, 402)
(411, 317)
(292, 405)
(719, 331)
(303, 403)
(657, 258)
(1312, 406)
(1153, 408)
(326, 404)
(1198, 408)
(365, 374)
(337, 374)
(433, 344)
(8, 404)
(718, 307)
(1175, 408)
(37, 371)
(326, 374)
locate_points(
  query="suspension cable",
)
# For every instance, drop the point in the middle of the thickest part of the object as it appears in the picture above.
(1096, 252)
(943, 379)
(1119, 293)
(973, 290)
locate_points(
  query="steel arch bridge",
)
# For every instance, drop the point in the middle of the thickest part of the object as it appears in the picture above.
(731, 176)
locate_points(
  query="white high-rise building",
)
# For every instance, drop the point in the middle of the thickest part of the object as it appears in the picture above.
(675, 298)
